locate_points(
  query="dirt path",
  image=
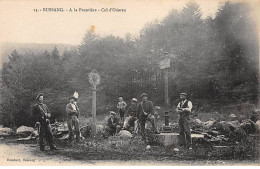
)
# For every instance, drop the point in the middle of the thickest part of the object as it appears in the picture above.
(28, 154)
(14, 154)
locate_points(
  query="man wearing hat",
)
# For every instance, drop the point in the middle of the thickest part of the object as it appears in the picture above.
(72, 118)
(112, 124)
(132, 116)
(41, 114)
(146, 112)
(184, 109)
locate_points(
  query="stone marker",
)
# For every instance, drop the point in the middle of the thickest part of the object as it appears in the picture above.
(169, 139)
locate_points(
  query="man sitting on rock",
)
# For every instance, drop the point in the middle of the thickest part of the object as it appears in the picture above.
(112, 125)
(132, 116)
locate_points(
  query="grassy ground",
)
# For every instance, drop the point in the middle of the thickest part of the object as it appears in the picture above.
(133, 150)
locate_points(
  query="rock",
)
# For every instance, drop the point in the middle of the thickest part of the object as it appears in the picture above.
(258, 124)
(31, 137)
(100, 128)
(234, 123)
(148, 147)
(198, 123)
(213, 133)
(249, 126)
(85, 131)
(209, 123)
(5, 131)
(125, 134)
(176, 150)
(35, 133)
(233, 116)
(222, 127)
(62, 127)
(24, 130)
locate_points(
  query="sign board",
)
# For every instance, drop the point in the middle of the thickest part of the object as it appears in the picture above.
(94, 78)
(165, 63)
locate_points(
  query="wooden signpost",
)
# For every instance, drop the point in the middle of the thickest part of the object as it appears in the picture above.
(94, 79)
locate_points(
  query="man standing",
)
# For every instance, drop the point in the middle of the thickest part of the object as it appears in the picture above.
(72, 116)
(41, 114)
(184, 109)
(132, 116)
(146, 112)
(121, 105)
(112, 125)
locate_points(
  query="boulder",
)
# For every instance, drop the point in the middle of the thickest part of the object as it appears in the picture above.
(125, 134)
(235, 123)
(209, 123)
(5, 131)
(198, 123)
(249, 126)
(222, 127)
(258, 125)
(232, 116)
(85, 131)
(100, 128)
(25, 131)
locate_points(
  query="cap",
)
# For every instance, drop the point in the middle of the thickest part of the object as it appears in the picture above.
(143, 95)
(37, 97)
(112, 112)
(72, 97)
(134, 100)
(185, 94)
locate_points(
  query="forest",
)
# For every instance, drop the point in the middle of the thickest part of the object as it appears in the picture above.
(215, 60)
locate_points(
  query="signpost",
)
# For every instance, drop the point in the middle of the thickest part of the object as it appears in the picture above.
(94, 79)
(165, 64)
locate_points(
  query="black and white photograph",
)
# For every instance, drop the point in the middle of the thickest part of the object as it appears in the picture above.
(129, 83)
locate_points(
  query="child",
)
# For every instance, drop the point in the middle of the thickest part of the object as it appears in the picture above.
(121, 105)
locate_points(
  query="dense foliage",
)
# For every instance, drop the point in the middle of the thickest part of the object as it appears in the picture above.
(213, 59)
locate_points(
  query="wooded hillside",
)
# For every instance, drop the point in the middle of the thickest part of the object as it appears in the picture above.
(215, 60)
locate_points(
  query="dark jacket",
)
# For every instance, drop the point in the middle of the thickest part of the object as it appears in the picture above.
(39, 111)
(145, 106)
(70, 112)
(133, 111)
(114, 123)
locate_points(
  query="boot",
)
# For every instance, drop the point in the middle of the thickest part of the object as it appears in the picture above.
(156, 132)
(42, 148)
(53, 147)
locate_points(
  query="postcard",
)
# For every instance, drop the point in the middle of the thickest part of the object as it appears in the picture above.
(129, 83)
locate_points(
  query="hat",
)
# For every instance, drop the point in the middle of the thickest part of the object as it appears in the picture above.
(112, 112)
(185, 94)
(143, 95)
(134, 100)
(72, 97)
(37, 97)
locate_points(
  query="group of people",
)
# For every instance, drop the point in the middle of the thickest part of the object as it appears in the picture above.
(42, 114)
(134, 117)
(138, 113)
